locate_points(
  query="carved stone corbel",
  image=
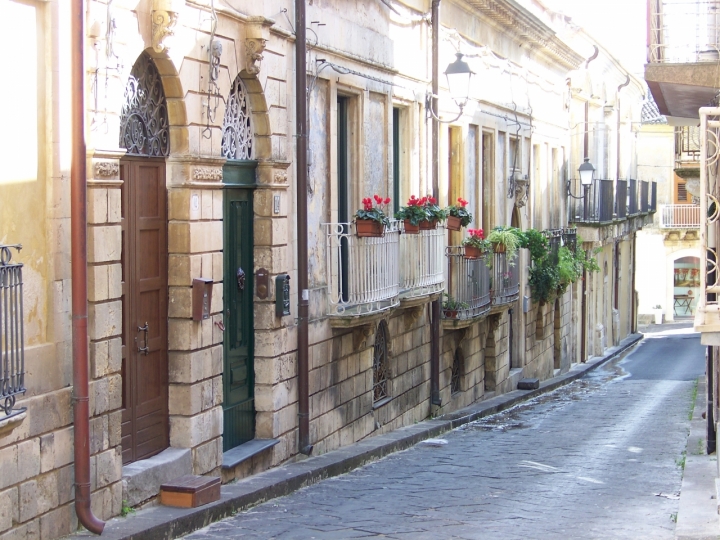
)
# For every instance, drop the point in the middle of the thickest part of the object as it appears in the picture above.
(256, 38)
(521, 192)
(360, 335)
(164, 18)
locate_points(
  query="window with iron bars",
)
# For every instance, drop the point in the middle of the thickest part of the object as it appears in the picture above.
(12, 339)
(380, 365)
(458, 369)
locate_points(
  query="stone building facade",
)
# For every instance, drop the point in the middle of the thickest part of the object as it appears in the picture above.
(191, 234)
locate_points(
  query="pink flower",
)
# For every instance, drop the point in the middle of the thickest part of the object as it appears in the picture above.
(387, 200)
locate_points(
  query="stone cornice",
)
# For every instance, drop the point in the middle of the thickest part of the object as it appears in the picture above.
(516, 21)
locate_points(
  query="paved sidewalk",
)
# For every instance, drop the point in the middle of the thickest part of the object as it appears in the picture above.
(698, 512)
(160, 522)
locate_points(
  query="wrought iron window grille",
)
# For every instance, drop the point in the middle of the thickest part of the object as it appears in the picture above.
(380, 364)
(12, 338)
(144, 125)
(458, 369)
(237, 131)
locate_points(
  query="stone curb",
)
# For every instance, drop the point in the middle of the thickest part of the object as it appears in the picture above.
(162, 522)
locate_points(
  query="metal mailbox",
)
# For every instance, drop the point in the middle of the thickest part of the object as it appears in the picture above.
(201, 298)
(282, 295)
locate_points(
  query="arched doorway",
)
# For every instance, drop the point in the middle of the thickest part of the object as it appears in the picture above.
(238, 338)
(686, 285)
(144, 133)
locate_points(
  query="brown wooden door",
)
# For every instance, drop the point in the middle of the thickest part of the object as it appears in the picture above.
(144, 344)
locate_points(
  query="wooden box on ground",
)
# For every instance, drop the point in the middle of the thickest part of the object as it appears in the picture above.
(190, 491)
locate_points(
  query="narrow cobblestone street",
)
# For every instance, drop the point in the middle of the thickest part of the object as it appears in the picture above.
(599, 458)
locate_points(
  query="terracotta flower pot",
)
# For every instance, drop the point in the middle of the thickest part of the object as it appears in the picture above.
(499, 248)
(409, 228)
(453, 223)
(450, 313)
(472, 252)
(369, 228)
(428, 225)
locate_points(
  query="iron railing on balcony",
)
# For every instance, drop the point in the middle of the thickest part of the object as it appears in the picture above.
(687, 145)
(653, 196)
(468, 285)
(363, 274)
(632, 206)
(598, 207)
(569, 239)
(644, 197)
(422, 256)
(12, 337)
(683, 31)
(621, 189)
(679, 216)
(505, 279)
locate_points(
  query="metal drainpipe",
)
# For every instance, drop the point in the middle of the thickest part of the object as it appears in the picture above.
(633, 315)
(78, 234)
(302, 233)
(435, 319)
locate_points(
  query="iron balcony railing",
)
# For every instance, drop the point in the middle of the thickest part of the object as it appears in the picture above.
(505, 279)
(596, 206)
(363, 274)
(422, 256)
(653, 196)
(632, 207)
(621, 203)
(679, 216)
(468, 285)
(12, 338)
(683, 31)
(644, 197)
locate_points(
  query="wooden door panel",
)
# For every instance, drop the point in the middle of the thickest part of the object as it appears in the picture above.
(144, 428)
(238, 377)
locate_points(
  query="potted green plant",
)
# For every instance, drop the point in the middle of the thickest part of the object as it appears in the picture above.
(370, 220)
(506, 240)
(411, 215)
(451, 306)
(475, 244)
(457, 215)
(434, 213)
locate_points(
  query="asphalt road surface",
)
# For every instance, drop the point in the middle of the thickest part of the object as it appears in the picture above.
(599, 458)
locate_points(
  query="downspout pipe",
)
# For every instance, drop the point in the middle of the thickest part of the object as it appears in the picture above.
(436, 306)
(78, 250)
(302, 230)
(619, 124)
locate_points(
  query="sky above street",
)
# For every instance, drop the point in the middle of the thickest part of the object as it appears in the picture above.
(618, 24)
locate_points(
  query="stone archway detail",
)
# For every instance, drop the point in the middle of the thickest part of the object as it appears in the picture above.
(144, 124)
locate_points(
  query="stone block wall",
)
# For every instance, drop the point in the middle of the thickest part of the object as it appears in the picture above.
(539, 341)
(497, 354)
(468, 346)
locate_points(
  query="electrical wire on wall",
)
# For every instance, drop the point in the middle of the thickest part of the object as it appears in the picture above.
(213, 93)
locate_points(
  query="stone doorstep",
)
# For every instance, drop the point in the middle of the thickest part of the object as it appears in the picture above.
(161, 523)
(142, 479)
(245, 451)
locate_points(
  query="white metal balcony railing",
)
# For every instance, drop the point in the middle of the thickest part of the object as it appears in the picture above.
(468, 284)
(363, 273)
(421, 267)
(679, 216)
(707, 313)
(684, 31)
(505, 279)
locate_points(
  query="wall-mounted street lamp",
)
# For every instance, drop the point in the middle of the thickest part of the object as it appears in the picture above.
(587, 172)
(458, 75)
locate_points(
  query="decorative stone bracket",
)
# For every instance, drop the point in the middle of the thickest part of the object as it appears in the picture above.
(256, 38)
(164, 17)
(521, 192)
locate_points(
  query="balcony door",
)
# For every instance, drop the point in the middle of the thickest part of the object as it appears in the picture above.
(343, 188)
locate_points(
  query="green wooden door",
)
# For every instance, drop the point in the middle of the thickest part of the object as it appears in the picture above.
(238, 342)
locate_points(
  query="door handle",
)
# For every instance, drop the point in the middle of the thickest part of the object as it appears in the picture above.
(240, 279)
(144, 329)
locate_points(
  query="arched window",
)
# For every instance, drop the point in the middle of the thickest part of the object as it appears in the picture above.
(237, 133)
(380, 363)
(144, 126)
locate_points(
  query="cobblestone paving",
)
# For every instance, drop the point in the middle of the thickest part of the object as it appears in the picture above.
(596, 459)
